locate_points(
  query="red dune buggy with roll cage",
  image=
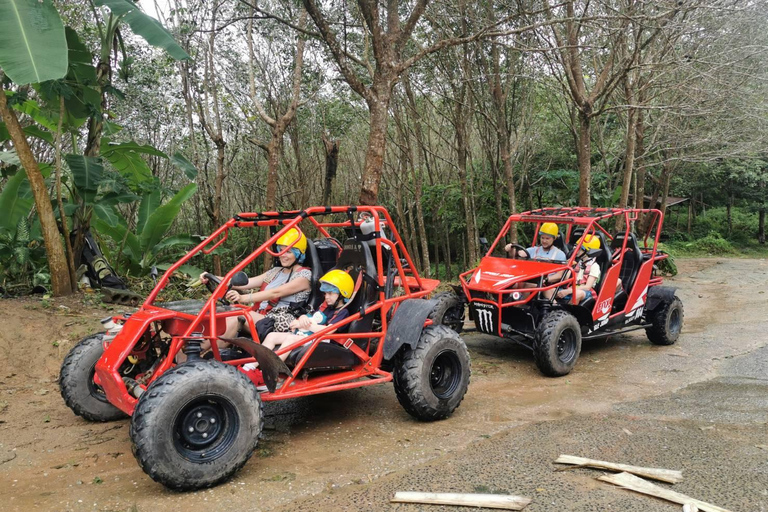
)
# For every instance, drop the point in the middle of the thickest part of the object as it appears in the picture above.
(194, 424)
(506, 297)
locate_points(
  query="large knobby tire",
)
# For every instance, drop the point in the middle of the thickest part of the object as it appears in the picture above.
(449, 311)
(666, 323)
(557, 345)
(78, 390)
(432, 378)
(196, 425)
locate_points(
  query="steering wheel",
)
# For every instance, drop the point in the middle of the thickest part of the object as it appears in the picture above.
(518, 247)
(212, 284)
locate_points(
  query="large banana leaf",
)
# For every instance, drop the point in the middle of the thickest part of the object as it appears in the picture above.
(88, 171)
(185, 165)
(174, 241)
(145, 26)
(14, 204)
(149, 204)
(106, 213)
(32, 43)
(118, 233)
(161, 219)
(130, 165)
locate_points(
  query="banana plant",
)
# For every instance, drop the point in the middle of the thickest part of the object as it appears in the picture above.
(143, 247)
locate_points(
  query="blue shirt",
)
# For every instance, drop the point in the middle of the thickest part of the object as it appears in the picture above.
(552, 254)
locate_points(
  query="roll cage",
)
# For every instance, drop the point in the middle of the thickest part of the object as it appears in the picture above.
(496, 281)
(394, 280)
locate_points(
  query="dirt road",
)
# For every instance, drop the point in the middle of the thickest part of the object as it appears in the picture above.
(349, 450)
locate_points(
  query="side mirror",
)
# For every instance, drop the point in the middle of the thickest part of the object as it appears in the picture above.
(239, 279)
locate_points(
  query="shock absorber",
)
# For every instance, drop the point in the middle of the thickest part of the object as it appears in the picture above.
(192, 348)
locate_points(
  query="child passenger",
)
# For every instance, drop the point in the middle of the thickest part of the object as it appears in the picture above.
(338, 287)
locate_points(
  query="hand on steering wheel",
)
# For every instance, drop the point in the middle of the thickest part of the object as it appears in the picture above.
(517, 248)
(212, 282)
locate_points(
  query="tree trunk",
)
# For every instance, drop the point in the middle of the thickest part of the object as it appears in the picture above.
(331, 163)
(629, 154)
(584, 156)
(377, 145)
(60, 202)
(57, 261)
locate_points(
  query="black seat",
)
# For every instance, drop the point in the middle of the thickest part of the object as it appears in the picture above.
(312, 261)
(633, 257)
(602, 258)
(560, 244)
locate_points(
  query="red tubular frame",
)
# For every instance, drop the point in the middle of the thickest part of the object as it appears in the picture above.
(366, 372)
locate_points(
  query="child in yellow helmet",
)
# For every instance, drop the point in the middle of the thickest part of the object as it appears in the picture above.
(337, 286)
(588, 272)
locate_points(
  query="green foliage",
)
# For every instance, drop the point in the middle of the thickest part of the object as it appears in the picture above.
(145, 26)
(33, 47)
(142, 247)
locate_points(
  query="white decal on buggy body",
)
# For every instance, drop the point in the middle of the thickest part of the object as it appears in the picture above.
(485, 320)
(634, 315)
(477, 276)
(637, 308)
(505, 281)
(605, 306)
(600, 322)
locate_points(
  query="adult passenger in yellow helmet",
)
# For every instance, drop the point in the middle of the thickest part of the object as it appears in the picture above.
(276, 288)
(587, 271)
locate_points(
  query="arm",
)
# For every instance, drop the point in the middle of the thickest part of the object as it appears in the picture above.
(297, 285)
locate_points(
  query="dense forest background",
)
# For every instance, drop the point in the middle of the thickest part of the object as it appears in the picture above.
(451, 114)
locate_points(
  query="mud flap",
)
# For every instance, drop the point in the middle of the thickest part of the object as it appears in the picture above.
(406, 325)
(658, 295)
(270, 364)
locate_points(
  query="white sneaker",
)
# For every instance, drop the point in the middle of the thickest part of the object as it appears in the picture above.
(250, 366)
(261, 388)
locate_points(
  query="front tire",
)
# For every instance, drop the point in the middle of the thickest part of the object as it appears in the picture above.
(79, 391)
(666, 323)
(449, 311)
(558, 343)
(197, 425)
(432, 378)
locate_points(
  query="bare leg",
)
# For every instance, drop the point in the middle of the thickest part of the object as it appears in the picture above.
(233, 325)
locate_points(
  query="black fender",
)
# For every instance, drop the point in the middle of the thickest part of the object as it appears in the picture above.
(270, 364)
(406, 325)
(582, 314)
(658, 295)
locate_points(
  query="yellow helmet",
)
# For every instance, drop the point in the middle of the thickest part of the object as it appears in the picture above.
(339, 280)
(590, 242)
(291, 236)
(549, 228)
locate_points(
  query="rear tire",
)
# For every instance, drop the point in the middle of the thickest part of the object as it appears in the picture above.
(449, 311)
(196, 425)
(666, 323)
(79, 391)
(432, 378)
(558, 343)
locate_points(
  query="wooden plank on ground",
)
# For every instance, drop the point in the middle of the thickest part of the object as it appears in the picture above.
(663, 475)
(637, 484)
(501, 501)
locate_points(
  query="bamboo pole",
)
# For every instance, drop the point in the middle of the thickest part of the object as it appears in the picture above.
(663, 475)
(499, 501)
(633, 483)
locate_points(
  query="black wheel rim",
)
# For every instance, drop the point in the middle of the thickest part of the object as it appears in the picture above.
(674, 321)
(566, 346)
(94, 389)
(206, 428)
(445, 374)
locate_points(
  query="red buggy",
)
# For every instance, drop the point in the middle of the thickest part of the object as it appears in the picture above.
(195, 424)
(506, 299)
